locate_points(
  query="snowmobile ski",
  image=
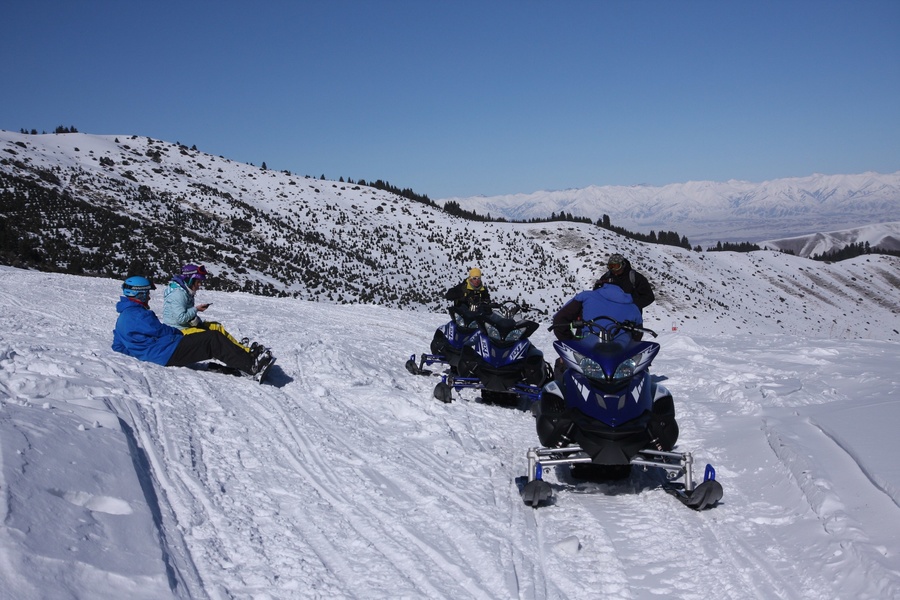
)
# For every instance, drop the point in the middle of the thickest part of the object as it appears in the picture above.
(537, 492)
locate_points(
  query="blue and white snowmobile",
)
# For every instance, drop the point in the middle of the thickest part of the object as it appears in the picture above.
(448, 341)
(603, 413)
(499, 359)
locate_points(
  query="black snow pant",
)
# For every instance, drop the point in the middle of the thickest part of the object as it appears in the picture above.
(205, 345)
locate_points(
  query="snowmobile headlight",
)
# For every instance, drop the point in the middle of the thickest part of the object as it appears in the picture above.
(493, 332)
(461, 322)
(515, 335)
(589, 367)
(625, 370)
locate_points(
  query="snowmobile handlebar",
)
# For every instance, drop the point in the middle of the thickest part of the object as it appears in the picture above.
(605, 325)
(510, 308)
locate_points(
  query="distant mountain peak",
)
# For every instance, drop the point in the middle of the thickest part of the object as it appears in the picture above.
(709, 211)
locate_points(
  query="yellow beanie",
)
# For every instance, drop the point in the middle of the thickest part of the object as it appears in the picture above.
(475, 272)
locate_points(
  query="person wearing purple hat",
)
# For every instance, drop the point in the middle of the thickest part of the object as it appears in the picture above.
(180, 310)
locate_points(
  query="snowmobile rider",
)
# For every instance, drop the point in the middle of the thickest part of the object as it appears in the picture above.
(471, 293)
(608, 300)
(140, 333)
(623, 275)
(179, 310)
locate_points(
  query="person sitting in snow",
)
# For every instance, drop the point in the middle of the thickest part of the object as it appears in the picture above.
(471, 293)
(139, 333)
(620, 272)
(180, 312)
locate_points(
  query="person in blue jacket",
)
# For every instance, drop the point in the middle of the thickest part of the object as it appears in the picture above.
(607, 300)
(140, 334)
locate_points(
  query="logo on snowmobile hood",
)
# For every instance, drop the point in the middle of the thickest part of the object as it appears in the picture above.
(500, 356)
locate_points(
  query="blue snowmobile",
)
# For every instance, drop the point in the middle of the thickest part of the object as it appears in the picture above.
(499, 359)
(603, 413)
(449, 339)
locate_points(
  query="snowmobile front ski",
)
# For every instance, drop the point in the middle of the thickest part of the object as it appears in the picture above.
(426, 359)
(705, 495)
(536, 491)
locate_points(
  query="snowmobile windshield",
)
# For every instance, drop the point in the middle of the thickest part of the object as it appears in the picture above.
(503, 331)
(464, 318)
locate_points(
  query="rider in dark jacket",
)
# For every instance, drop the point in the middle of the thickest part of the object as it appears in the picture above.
(471, 293)
(623, 275)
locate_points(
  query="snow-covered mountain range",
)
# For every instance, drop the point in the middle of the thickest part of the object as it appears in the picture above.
(708, 212)
(101, 203)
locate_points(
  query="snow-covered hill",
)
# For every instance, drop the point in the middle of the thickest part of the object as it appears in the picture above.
(884, 235)
(344, 478)
(708, 212)
(111, 200)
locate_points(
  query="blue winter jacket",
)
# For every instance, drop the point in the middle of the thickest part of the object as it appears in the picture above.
(139, 333)
(607, 301)
(178, 305)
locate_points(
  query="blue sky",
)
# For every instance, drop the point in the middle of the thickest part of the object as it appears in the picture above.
(473, 97)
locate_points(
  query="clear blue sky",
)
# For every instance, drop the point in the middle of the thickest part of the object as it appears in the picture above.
(459, 98)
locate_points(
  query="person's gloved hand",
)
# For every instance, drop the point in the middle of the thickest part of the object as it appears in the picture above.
(578, 329)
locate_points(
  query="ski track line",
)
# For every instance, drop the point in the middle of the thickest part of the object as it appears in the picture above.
(582, 561)
(402, 537)
(264, 423)
(201, 506)
(187, 467)
(468, 430)
(849, 454)
(276, 492)
(216, 508)
(407, 536)
(169, 500)
(532, 571)
(480, 423)
(529, 573)
(314, 474)
(760, 571)
(538, 573)
(853, 554)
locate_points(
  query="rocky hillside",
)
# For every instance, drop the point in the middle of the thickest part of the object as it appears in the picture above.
(100, 204)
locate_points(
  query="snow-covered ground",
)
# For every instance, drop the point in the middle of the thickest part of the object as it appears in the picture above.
(343, 478)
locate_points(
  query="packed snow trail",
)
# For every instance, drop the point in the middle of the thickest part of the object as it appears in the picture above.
(342, 477)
